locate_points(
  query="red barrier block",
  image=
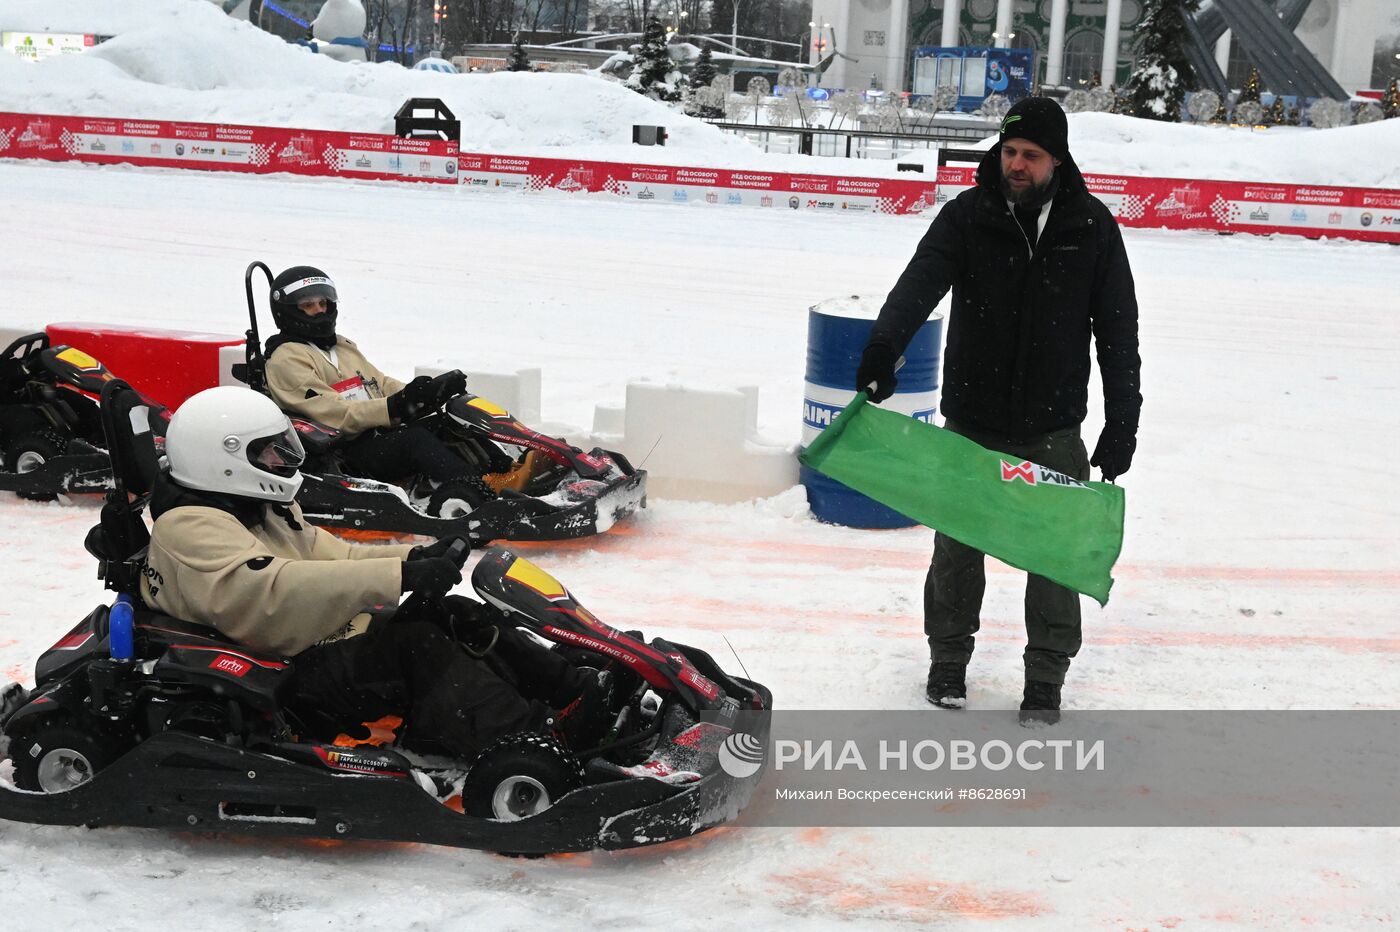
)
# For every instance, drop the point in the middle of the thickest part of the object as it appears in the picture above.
(168, 365)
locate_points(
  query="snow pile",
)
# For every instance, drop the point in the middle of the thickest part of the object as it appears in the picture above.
(186, 60)
(1364, 156)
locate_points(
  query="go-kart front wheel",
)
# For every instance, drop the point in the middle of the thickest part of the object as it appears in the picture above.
(518, 777)
(57, 755)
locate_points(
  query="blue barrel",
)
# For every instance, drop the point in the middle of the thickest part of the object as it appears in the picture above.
(837, 330)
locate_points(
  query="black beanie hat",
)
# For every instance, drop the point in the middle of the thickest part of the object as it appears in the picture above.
(1041, 121)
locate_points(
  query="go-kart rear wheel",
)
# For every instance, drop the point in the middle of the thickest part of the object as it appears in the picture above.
(518, 777)
(56, 755)
(28, 452)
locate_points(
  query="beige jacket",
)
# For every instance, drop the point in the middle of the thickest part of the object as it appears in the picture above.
(302, 378)
(270, 587)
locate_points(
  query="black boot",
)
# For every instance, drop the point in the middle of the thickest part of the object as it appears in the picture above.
(1041, 703)
(947, 684)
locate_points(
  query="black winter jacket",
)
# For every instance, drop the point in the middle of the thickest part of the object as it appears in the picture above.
(1016, 363)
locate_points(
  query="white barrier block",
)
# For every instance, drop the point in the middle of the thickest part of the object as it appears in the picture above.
(518, 392)
(229, 356)
(701, 444)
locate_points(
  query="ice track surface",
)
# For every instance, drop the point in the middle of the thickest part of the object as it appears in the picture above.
(1261, 567)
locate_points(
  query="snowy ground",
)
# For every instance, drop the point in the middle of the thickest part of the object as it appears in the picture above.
(1261, 567)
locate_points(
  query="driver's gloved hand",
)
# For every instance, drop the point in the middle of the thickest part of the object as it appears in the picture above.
(434, 573)
(438, 548)
(448, 386)
(409, 402)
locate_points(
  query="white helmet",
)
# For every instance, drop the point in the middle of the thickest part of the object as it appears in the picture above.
(235, 441)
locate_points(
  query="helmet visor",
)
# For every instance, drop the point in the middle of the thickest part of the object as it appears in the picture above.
(280, 454)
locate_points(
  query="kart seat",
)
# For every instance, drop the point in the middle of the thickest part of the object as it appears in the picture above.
(120, 538)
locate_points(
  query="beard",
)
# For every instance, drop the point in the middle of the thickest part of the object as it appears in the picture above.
(1033, 194)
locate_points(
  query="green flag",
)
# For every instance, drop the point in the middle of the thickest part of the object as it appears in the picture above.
(1023, 514)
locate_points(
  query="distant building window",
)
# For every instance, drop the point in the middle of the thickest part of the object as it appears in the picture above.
(1083, 57)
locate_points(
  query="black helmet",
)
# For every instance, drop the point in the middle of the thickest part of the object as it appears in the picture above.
(295, 285)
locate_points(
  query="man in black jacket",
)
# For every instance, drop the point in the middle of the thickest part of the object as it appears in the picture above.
(1036, 265)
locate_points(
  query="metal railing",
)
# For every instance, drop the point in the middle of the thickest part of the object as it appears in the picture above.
(855, 143)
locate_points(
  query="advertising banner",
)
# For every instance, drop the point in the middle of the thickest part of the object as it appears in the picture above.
(679, 185)
(257, 149)
(1172, 203)
(1231, 206)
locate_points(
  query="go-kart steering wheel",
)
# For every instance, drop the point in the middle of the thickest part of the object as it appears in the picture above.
(413, 606)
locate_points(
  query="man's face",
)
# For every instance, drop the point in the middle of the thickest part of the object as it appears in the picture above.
(1026, 169)
(313, 307)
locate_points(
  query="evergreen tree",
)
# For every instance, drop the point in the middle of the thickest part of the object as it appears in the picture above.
(1159, 80)
(1251, 88)
(704, 71)
(1390, 103)
(519, 60)
(1221, 116)
(655, 74)
(1276, 115)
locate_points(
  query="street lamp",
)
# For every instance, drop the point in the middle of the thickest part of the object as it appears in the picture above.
(734, 27)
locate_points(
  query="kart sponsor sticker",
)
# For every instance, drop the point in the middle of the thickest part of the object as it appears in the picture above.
(528, 574)
(227, 663)
(490, 407)
(352, 389)
(79, 359)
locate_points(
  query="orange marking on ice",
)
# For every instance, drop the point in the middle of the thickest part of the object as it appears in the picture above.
(654, 544)
(813, 836)
(362, 536)
(915, 899)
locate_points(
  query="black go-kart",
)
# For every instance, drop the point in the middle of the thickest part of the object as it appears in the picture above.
(137, 718)
(50, 434)
(565, 492)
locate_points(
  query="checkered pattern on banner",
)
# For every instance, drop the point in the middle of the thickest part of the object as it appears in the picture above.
(71, 143)
(259, 155)
(888, 205)
(334, 158)
(538, 182)
(1223, 211)
(5, 135)
(613, 186)
(1133, 206)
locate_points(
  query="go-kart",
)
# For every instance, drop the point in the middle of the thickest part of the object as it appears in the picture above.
(549, 489)
(137, 718)
(50, 435)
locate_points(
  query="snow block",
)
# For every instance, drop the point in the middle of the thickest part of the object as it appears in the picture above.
(167, 365)
(698, 444)
(518, 392)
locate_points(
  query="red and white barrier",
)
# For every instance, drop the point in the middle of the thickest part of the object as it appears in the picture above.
(257, 149)
(1173, 203)
(1232, 206)
(680, 185)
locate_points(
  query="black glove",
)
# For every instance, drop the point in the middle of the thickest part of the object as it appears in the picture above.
(877, 368)
(409, 402)
(1114, 452)
(437, 574)
(448, 386)
(437, 548)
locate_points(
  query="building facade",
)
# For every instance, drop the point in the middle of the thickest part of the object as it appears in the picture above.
(873, 39)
